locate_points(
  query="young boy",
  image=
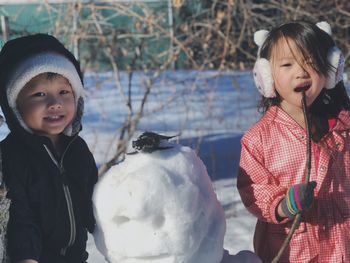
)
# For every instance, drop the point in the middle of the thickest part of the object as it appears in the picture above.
(48, 169)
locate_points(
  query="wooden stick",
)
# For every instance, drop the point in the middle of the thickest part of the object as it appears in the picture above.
(297, 218)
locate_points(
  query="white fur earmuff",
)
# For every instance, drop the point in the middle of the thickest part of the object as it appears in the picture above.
(263, 78)
(262, 70)
(335, 59)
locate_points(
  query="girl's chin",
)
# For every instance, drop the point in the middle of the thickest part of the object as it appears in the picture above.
(310, 98)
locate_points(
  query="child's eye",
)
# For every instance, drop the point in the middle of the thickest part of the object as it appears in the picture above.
(39, 94)
(286, 65)
(63, 92)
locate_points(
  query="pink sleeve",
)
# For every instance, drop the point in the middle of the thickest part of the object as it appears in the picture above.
(259, 189)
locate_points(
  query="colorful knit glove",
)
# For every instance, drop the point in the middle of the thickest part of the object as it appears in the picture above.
(299, 198)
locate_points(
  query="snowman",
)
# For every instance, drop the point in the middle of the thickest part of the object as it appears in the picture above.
(159, 206)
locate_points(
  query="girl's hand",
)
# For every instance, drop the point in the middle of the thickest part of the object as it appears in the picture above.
(299, 198)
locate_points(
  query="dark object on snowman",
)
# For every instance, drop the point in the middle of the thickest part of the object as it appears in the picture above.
(149, 142)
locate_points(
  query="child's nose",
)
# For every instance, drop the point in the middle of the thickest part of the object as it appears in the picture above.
(302, 73)
(55, 102)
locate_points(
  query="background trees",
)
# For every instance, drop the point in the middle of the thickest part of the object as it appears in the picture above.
(151, 37)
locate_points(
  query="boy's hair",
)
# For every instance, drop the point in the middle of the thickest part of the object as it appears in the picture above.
(22, 59)
(50, 75)
(313, 43)
(47, 76)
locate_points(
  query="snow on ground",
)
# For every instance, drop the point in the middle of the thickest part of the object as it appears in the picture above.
(209, 109)
(205, 107)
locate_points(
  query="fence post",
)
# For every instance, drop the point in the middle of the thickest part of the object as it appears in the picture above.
(5, 28)
(75, 27)
(171, 28)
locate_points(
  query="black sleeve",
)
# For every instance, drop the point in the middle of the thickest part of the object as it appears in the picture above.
(92, 179)
(23, 232)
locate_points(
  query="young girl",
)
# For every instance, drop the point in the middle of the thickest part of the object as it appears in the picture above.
(297, 58)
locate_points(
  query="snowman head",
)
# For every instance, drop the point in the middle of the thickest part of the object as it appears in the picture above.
(159, 207)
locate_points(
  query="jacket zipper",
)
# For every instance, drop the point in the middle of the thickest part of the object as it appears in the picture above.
(67, 196)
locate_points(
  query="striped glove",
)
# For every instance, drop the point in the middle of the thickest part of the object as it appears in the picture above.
(299, 198)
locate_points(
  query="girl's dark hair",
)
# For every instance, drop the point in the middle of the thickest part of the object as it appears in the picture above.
(313, 43)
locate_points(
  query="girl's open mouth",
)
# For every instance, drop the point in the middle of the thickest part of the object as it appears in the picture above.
(302, 88)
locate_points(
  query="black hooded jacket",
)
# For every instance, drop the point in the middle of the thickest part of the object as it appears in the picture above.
(51, 207)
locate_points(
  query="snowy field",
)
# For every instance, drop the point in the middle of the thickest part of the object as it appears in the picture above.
(210, 109)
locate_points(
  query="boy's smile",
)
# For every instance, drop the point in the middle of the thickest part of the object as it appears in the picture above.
(47, 105)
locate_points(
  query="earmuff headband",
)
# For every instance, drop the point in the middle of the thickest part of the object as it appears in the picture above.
(262, 70)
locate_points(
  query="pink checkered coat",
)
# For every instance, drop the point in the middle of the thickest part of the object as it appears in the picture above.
(273, 158)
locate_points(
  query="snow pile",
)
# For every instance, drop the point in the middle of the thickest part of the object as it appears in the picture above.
(159, 208)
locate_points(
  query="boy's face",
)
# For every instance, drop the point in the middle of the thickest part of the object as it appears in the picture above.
(47, 105)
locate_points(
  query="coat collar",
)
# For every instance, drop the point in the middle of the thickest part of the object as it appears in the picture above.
(343, 121)
(278, 115)
(335, 138)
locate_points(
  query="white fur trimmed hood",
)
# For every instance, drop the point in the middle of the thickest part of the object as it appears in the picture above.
(22, 59)
(35, 65)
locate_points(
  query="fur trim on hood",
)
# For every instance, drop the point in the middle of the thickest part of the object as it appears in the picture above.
(22, 59)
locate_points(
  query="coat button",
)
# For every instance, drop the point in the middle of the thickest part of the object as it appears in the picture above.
(323, 168)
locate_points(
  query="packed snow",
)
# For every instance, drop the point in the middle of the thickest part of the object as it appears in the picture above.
(159, 207)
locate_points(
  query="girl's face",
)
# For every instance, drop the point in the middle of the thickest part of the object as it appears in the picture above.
(291, 73)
